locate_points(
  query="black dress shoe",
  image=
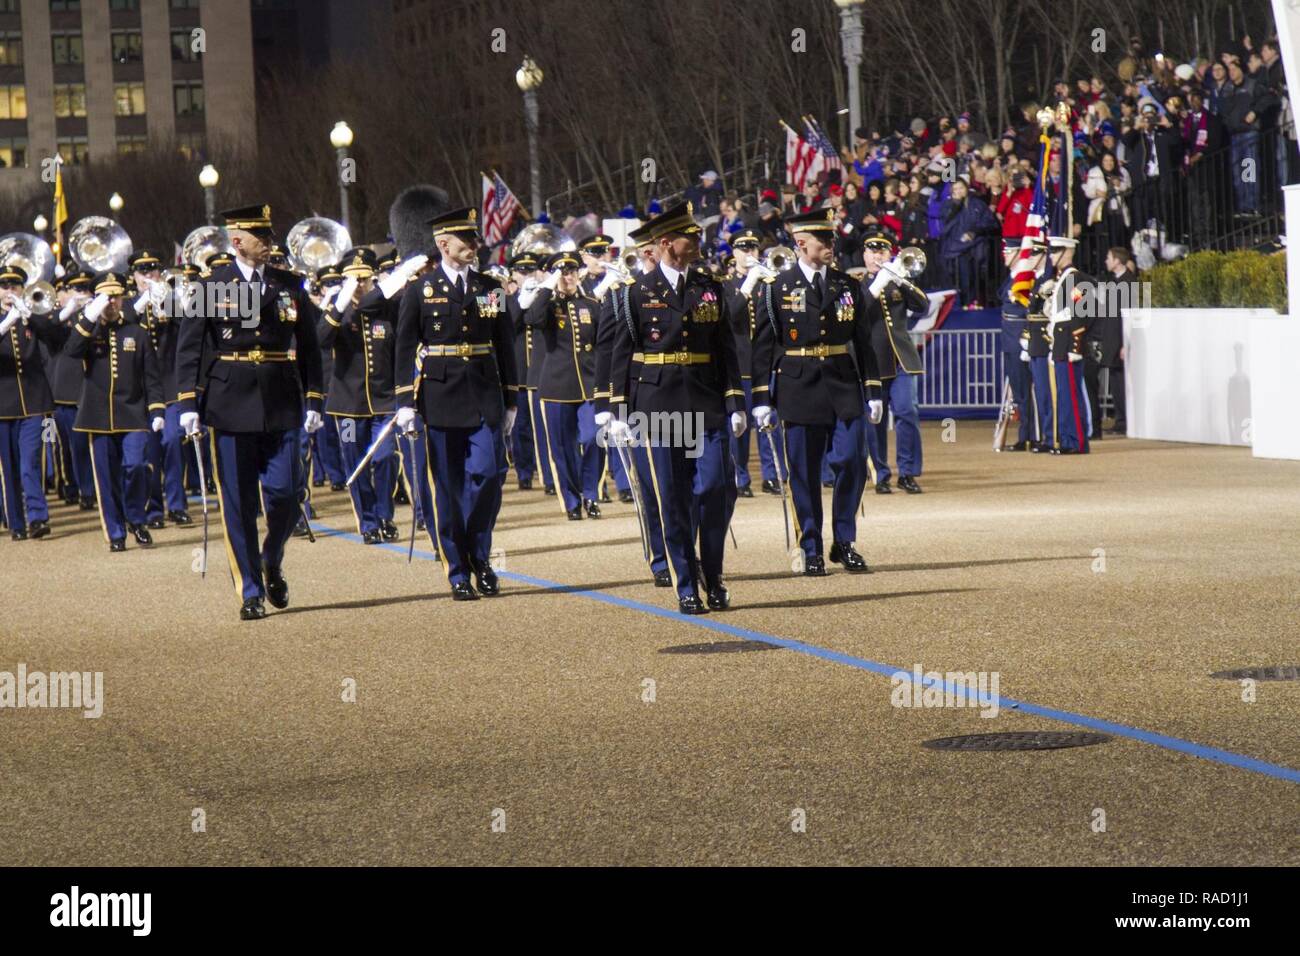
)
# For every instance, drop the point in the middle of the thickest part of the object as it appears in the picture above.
(141, 534)
(718, 598)
(180, 517)
(663, 579)
(1040, 448)
(605, 499)
(770, 488)
(318, 483)
(593, 509)
(38, 528)
(19, 535)
(420, 525)
(1064, 451)
(338, 486)
(575, 514)
(485, 579)
(370, 537)
(156, 524)
(87, 504)
(117, 544)
(525, 484)
(908, 484)
(401, 497)
(461, 591)
(744, 491)
(277, 589)
(253, 610)
(388, 530)
(1018, 446)
(691, 604)
(626, 496)
(814, 567)
(852, 561)
(883, 488)
(550, 490)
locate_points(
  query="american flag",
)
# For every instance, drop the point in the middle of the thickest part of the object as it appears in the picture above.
(1023, 277)
(499, 209)
(807, 156)
(817, 137)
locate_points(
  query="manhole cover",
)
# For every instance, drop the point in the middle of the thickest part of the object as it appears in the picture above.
(721, 647)
(1044, 740)
(1278, 672)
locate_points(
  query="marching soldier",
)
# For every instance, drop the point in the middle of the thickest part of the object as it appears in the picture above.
(531, 372)
(121, 406)
(1014, 329)
(74, 293)
(25, 402)
(808, 318)
(360, 394)
(166, 472)
(245, 366)
(597, 282)
(565, 317)
(890, 297)
(676, 318)
(454, 321)
(326, 457)
(523, 443)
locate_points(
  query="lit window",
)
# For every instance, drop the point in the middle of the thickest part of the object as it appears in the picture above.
(69, 99)
(129, 99)
(127, 46)
(13, 102)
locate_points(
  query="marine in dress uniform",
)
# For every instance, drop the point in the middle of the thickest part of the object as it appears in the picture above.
(454, 321)
(523, 443)
(245, 366)
(154, 312)
(121, 406)
(75, 290)
(888, 307)
(813, 352)
(677, 320)
(1013, 330)
(1068, 315)
(1038, 348)
(25, 402)
(360, 395)
(566, 318)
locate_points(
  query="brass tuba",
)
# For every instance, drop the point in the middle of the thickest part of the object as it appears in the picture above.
(204, 243)
(542, 238)
(98, 244)
(30, 253)
(316, 242)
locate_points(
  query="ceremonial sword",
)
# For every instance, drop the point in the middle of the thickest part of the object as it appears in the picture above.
(776, 461)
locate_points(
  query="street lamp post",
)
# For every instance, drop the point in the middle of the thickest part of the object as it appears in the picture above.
(341, 139)
(851, 45)
(208, 179)
(529, 78)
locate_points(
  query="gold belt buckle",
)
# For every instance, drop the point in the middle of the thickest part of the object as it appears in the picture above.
(821, 351)
(255, 356)
(464, 349)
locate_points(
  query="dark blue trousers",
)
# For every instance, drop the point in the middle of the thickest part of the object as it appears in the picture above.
(1018, 374)
(522, 448)
(243, 461)
(740, 446)
(465, 474)
(576, 458)
(120, 463)
(326, 459)
(166, 466)
(372, 492)
(843, 448)
(1041, 375)
(537, 419)
(654, 521)
(415, 466)
(695, 497)
(1071, 407)
(20, 462)
(900, 397)
(81, 476)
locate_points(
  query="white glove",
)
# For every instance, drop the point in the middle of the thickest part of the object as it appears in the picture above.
(395, 281)
(406, 420)
(751, 280)
(603, 419)
(552, 279)
(884, 278)
(509, 424)
(190, 423)
(1024, 355)
(157, 423)
(141, 303)
(875, 411)
(764, 417)
(619, 432)
(96, 308)
(71, 306)
(313, 422)
(327, 297)
(346, 291)
(738, 423)
(605, 284)
(526, 297)
(10, 320)
(1075, 357)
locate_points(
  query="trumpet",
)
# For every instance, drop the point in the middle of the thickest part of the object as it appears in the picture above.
(38, 298)
(911, 260)
(630, 259)
(622, 269)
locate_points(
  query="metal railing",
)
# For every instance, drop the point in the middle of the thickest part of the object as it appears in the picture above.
(963, 370)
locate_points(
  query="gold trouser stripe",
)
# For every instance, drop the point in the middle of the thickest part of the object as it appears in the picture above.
(99, 490)
(1051, 384)
(236, 576)
(550, 458)
(432, 520)
(663, 528)
(816, 483)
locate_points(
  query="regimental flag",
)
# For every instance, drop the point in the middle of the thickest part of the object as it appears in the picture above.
(60, 202)
(1023, 272)
(499, 210)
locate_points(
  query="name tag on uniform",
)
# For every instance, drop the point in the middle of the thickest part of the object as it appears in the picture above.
(435, 299)
(128, 345)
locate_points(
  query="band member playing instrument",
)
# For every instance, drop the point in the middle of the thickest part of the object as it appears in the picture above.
(454, 321)
(245, 366)
(566, 317)
(74, 292)
(890, 298)
(524, 444)
(121, 406)
(677, 321)
(808, 317)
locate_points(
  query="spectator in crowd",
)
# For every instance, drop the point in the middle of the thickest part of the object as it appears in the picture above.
(1107, 189)
(1241, 117)
(968, 227)
(914, 215)
(964, 128)
(1204, 164)
(1013, 205)
(706, 196)
(1219, 88)
(1152, 150)
(1104, 339)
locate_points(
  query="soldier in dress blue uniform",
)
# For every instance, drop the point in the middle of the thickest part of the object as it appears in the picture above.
(599, 283)
(75, 291)
(360, 394)
(890, 298)
(566, 318)
(245, 367)
(121, 406)
(530, 373)
(523, 444)
(676, 318)
(1068, 316)
(813, 352)
(740, 309)
(454, 321)
(25, 402)
(155, 312)
(326, 457)
(1015, 329)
